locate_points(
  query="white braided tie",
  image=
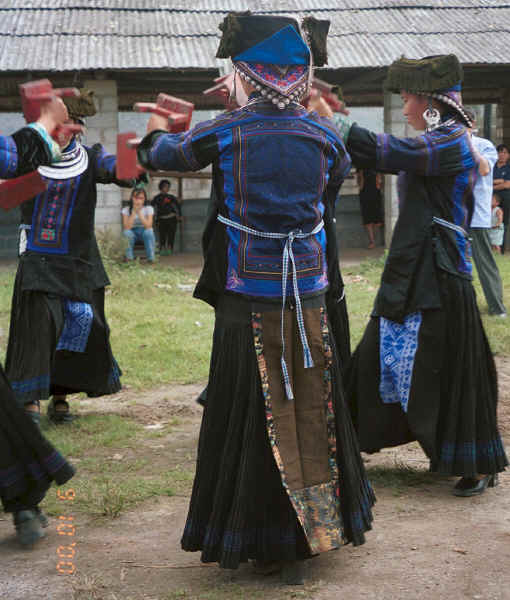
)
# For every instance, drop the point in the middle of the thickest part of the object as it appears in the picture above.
(287, 255)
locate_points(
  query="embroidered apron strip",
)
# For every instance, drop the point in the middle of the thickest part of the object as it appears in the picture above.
(287, 255)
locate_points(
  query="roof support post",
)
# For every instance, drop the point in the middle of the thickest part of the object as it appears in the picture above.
(503, 118)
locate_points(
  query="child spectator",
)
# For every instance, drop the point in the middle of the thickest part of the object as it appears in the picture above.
(497, 228)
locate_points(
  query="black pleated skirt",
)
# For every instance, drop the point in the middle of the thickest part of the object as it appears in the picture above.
(239, 509)
(452, 409)
(28, 462)
(34, 366)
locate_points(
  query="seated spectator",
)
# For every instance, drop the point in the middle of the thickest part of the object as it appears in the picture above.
(137, 222)
(168, 212)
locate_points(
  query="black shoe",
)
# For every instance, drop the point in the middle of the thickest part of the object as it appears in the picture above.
(292, 572)
(469, 486)
(28, 527)
(34, 415)
(59, 417)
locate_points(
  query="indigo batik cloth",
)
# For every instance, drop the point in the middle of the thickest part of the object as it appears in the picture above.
(78, 317)
(399, 342)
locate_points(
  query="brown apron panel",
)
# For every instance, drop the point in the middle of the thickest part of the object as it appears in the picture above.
(301, 428)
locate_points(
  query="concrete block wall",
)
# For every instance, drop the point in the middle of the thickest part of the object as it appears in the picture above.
(103, 128)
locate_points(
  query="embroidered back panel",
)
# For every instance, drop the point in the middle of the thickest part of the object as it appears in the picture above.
(52, 215)
(275, 174)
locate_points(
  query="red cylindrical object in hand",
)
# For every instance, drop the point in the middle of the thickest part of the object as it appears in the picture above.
(177, 111)
(127, 166)
(34, 93)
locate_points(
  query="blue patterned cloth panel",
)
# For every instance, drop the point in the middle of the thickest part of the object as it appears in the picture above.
(398, 345)
(77, 326)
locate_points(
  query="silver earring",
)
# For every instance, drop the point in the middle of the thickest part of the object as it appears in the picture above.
(431, 116)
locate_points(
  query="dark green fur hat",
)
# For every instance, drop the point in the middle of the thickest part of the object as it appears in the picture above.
(429, 74)
(81, 106)
(317, 32)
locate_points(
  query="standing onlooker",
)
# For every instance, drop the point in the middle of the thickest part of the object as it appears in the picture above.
(370, 200)
(481, 224)
(168, 212)
(502, 185)
(137, 222)
(497, 229)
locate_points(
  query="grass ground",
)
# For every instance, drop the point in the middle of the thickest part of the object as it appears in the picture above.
(161, 335)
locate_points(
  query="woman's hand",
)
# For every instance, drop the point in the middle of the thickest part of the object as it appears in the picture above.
(53, 114)
(157, 122)
(320, 106)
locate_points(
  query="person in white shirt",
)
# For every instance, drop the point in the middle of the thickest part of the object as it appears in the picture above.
(137, 222)
(483, 256)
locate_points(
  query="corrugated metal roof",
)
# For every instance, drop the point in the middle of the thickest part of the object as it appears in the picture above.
(109, 34)
(27, 23)
(254, 5)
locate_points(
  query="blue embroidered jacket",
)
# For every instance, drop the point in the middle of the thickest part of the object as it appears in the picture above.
(437, 175)
(59, 253)
(273, 171)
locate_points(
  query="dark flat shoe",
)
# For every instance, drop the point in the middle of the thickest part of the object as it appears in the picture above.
(34, 415)
(292, 572)
(28, 527)
(469, 486)
(59, 417)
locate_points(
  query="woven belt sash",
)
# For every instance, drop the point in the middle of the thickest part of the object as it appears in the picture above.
(287, 255)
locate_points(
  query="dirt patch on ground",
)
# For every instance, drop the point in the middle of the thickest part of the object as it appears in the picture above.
(425, 545)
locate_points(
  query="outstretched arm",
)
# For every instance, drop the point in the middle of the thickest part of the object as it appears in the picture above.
(105, 168)
(32, 146)
(189, 151)
(441, 152)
